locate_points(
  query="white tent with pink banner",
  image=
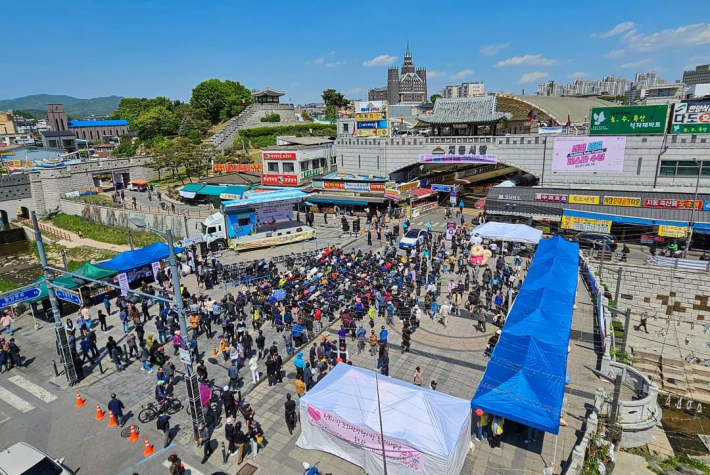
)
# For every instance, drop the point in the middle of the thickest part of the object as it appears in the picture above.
(354, 413)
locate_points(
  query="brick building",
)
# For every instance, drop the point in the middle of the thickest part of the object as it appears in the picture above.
(406, 85)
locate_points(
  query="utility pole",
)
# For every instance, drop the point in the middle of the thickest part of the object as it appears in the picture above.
(64, 259)
(601, 261)
(60, 330)
(130, 239)
(627, 325)
(613, 416)
(692, 212)
(193, 388)
(618, 289)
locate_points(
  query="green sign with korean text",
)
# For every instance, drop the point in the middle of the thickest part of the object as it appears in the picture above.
(628, 120)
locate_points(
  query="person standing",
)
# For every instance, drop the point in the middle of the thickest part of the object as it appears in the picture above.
(205, 441)
(496, 431)
(290, 413)
(271, 371)
(385, 363)
(300, 386)
(163, 425)
(261, 344)
(254, 368)
(240, 440)
(406, 337)
(116, 407)
(418, 381)
(229, 430)
(6, 321)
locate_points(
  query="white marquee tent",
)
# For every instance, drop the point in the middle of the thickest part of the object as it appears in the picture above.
(425, 431)
(508, 232)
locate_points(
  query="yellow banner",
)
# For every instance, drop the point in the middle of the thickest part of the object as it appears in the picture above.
(369, 116)
(373, 133)
(586, 224)
(672, 231)
(240, 245)
(622, 201)
(583, 199)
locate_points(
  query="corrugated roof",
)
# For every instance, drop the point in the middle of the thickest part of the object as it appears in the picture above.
(474, 110)
(192, 187)
(97, 123)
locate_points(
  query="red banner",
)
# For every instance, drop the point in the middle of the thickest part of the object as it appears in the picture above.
(377, 187)
(278, 155)
(334, 185)
(281, 180)
(237, 167)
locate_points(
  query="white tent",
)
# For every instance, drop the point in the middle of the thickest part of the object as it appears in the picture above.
(425, 431)
(508, 232)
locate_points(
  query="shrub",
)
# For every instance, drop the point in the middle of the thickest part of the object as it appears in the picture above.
(103, 233)
(273, 117)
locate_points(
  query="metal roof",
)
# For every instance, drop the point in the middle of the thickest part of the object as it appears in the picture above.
(473, 110)
(556, 107)
(97, 123)
(521, 201)
(57, 133)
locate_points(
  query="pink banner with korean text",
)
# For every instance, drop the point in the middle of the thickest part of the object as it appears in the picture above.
(589, 154)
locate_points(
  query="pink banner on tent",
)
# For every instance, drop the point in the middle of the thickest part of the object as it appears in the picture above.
(589, 154)
(366, 438)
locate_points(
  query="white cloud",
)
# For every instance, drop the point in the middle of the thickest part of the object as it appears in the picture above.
(689, 35)
(435, 74)
(634, 65)
(294, 84)
(532, 77)
(381, 60)
(318, 60)
(334, 64)
(462, 74)
(617, 30)
(354, 91)
(492, 50)
(528, 59)
(579, 74)
(330, 53)
(615, 53)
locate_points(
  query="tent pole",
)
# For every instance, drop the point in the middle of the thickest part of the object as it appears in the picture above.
(554, 457)
(379, 413)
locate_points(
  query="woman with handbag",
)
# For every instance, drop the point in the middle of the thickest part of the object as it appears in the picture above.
(256, 437)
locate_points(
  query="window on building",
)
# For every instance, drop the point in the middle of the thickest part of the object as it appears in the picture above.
(638, 166)
(53, 144)
(342, 160)
(305, 166)
(684, 168)
(288, 168)
(334, 160)
(68, 143)
(273, 166)
(323, 163)
(687, 168)
(345, 127)
(359, 163)
(378, 162)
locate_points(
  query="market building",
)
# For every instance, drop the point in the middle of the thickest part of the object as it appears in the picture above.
(296, 161)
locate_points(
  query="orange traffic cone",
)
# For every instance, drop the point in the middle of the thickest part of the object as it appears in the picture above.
(99, 413)
(111, 420)
(79, 401)
(134, 435)
(148, 450)
(214, 351)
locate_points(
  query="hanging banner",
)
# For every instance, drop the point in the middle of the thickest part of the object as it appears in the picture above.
(630, 201)
(672, 231)
(691, 118)
(156, 267)
(587, 154)
(123, 283)
(628, 120)
(586, 224)
(583, 199)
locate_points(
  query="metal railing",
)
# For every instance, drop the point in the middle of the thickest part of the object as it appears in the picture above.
(64, 235)
(703, 266)
(199, 213)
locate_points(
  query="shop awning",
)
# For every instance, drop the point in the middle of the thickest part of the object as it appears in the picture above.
(65, 281)
(233, 192)
(189, 191)
(614, 218)
(345, 200)
(94, 272)
(212, 190)
(422, 192)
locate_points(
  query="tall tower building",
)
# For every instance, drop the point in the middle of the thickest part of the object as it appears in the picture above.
(407, 84)
(56, 118)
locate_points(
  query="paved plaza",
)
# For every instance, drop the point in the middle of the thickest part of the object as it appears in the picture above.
(452, 356)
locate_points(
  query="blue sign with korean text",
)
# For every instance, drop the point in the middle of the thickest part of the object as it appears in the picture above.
(706, 206)
(20, 296)
(68, 296)
(442, 188)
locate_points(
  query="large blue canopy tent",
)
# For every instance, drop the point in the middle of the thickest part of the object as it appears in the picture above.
(525, 377)
(130, 260)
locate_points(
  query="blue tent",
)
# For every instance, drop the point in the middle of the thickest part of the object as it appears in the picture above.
(525, 377)
(129, 260)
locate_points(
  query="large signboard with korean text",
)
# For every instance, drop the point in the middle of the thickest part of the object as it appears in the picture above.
(372, 119)
(691, 118)
(586, 224)
(267, 155)
(460, 154)
(279, 180)
(628, 120)
(589, 154)
(236, 167)
(630, 201)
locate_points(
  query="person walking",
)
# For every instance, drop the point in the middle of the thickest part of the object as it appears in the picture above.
(385, 363)
(6, 322)
(644, 322)
(418, 381)
(290, 413)
(256, 437)
(116, 407)
(300, 386)
(205, 441)
(240, 440)
(144, 356)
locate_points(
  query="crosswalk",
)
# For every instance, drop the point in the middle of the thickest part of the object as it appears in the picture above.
(19, 394)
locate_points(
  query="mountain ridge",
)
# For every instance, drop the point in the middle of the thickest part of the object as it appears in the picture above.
(75, 107)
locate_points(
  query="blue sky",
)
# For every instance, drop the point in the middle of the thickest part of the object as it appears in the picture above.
(149, 47)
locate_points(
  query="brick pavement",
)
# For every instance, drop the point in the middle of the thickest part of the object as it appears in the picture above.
(452, 356)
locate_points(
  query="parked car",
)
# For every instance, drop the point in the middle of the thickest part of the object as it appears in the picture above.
(410, 239)
(138, 185)
(23, 459)
(589, 239)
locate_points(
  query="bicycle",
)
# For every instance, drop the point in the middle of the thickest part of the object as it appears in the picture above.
(152, 410)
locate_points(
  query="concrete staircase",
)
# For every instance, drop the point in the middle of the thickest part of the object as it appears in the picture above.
(673, 374)
(250, 118)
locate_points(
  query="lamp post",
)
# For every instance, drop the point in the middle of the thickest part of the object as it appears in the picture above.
(692, 210)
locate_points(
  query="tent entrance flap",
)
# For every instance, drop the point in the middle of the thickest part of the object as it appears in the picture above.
(525, 377)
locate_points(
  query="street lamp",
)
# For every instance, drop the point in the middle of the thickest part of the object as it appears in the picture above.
(692, 210)
(141, 224)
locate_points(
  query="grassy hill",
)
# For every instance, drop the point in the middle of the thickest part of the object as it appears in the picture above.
(76, 108)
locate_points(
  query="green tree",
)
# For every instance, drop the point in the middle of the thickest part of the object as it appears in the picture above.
(125, 148)
(331, 97)
(156, 122)
(194, 123)
(306, 116)
(434, 97)
(23, 113)
(131, 107)
(331, 112)
(273, 117)
(220, 99)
